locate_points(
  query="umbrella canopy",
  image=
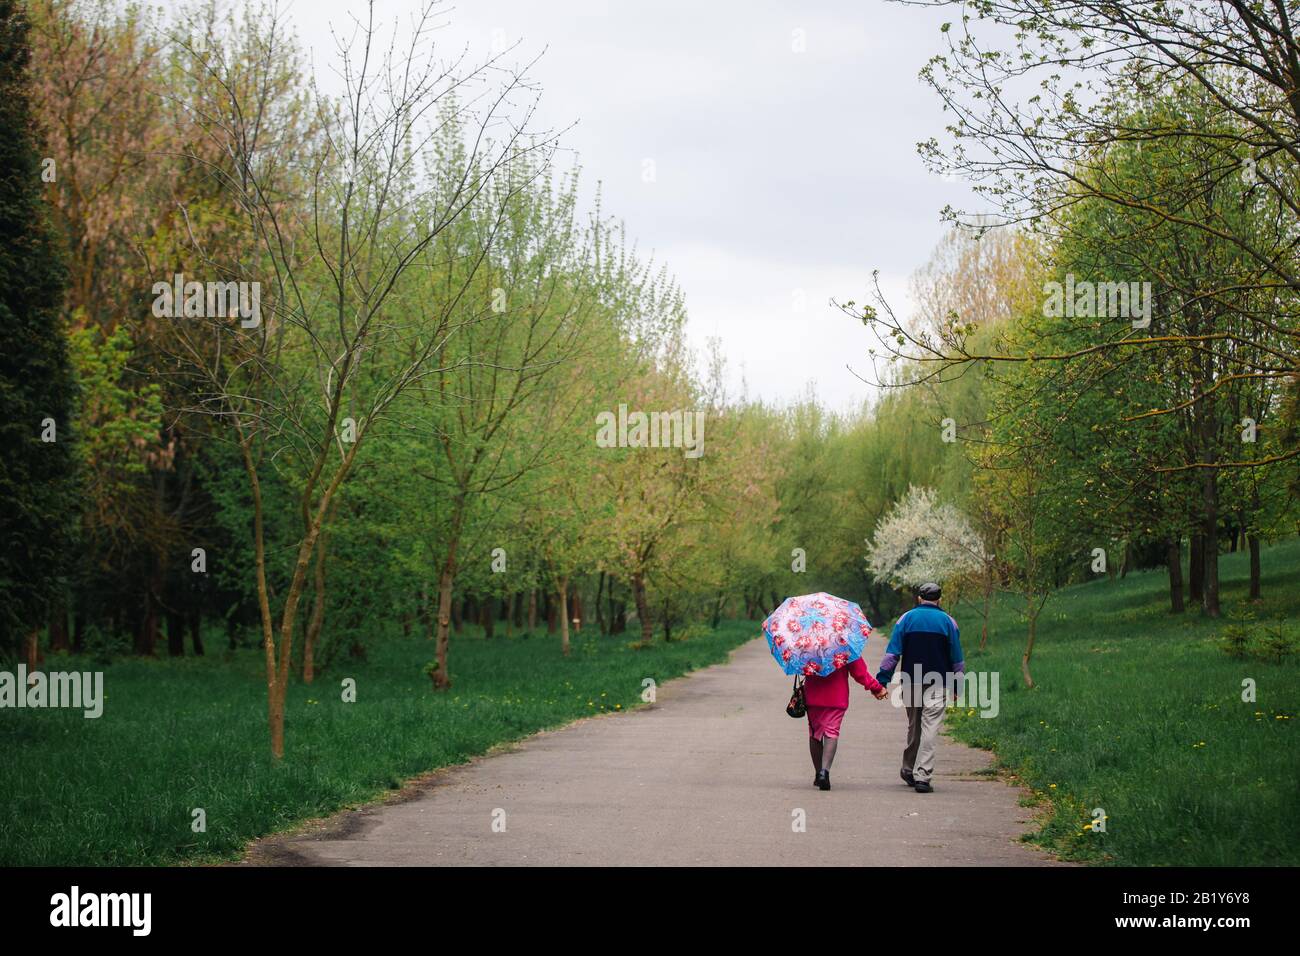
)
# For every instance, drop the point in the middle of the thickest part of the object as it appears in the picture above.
(816, 633)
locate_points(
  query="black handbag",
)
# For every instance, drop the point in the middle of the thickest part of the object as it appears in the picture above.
(798, 706)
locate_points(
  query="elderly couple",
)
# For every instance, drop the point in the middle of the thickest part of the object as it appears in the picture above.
(925, 641)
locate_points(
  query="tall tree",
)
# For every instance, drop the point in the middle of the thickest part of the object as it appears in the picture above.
(37, 474)
(337, 218)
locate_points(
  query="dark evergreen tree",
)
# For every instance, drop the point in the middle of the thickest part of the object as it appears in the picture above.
(38, 498)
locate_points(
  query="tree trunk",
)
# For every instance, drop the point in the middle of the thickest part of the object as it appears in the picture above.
(532, 610)
(196, 631)
(59, 627)
(263, 599)
(147, 634)
(288, 620)
(441, 679)
(1174, 559)
(600, 608)
(275, 714)
(1029, 650)
(564, 617)
(575, 610)
(117, 615)
(642, 610)
(78, 632)
(1210, 498)
(716, 617)
(1196, 569)
(1254, 567)
(32, 647)
(487, 616)
(988, 599)
(317, 620)
(552, 614)
(277, 673)
(175, 634)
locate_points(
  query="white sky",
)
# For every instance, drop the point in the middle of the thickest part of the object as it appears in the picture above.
(781, 177)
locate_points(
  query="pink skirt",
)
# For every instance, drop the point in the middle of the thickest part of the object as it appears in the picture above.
(824, 721)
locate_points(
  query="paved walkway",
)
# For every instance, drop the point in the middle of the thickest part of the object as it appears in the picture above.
(713, 773)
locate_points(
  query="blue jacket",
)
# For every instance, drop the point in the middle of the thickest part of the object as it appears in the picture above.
(925, 637)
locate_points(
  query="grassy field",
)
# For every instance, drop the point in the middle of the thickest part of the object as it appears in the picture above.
(186, 734)
(1140, 712)
(1137, 712)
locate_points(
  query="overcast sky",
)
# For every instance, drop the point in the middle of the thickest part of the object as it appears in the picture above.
(782, 177)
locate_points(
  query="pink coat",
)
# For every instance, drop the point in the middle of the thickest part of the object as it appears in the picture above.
(833, 689)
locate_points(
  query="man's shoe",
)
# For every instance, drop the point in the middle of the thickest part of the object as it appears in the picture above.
(907, 777)
(923, 786)
(823, 780)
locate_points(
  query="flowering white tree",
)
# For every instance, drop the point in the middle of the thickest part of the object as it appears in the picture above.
(920, 539)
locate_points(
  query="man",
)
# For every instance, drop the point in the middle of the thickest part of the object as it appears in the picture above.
(926, 639)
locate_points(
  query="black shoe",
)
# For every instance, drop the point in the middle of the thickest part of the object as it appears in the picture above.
(923, 786)
(907, 777)
(823, 781)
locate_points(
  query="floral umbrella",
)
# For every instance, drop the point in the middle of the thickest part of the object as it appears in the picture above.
(816, 633)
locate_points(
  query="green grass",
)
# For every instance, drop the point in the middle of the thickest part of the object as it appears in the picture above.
(1137, 711)
(185, 734)
(1140, 712)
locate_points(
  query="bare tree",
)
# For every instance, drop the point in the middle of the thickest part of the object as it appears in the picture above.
(338, 214)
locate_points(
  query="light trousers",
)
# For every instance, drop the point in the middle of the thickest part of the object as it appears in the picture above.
(923, 723)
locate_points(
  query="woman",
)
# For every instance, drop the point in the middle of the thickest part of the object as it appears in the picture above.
(828, 698)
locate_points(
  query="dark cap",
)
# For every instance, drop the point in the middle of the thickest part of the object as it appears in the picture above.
(929, 591)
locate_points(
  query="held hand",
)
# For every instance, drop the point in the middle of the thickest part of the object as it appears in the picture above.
(880, 694)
